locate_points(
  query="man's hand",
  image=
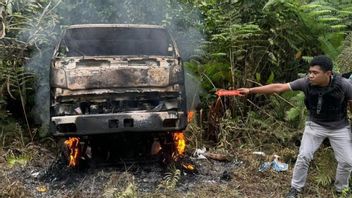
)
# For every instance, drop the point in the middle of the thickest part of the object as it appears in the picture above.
(244, 91)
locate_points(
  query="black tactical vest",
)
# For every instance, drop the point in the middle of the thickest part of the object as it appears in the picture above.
(327, 104)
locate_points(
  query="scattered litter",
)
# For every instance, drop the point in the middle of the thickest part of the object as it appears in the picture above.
(216, 156)
(188, 166)
(145, 180)
(265, 166)
(199, 153)
(276, 165)
(259, 153)
(203, 154)
(42, 189)
(211, 181)
(279, 166)
(35, 174)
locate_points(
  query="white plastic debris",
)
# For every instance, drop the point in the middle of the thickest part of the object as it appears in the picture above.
(199, 153)
(276, 165)
(265, 166)
(35, 174)
(279, 166)
(258, 153)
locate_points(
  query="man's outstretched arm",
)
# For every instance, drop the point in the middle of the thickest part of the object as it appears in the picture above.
(266, 89)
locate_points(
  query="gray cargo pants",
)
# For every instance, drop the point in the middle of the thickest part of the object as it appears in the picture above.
(341, 143)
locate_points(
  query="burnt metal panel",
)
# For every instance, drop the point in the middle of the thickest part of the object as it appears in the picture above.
(101, 124)
(88, 78)
(132, 84)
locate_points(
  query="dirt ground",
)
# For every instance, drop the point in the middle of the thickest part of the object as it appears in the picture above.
(44, 175)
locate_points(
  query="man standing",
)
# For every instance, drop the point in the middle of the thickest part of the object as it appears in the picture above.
(326, 98)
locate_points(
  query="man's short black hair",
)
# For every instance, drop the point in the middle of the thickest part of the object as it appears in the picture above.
(323, 61)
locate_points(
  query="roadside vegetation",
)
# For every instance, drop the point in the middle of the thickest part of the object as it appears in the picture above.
(235, 43)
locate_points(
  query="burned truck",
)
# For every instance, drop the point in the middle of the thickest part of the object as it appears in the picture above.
(108, 79)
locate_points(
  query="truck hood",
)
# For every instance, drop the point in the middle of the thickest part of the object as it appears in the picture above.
(102, 73)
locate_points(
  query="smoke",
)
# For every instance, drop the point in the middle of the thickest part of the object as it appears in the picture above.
(193, 91)
(39, 64)
(183, 22)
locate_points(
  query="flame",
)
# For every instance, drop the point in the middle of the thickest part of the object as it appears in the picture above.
(180, 142)
(188, 166)
(190, 116)
(73, 145)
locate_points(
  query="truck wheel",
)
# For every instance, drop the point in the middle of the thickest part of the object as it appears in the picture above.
(168, 149)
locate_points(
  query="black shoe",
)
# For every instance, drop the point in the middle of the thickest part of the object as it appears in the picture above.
(293, 193)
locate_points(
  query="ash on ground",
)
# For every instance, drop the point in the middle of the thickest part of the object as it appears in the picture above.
(50, 177)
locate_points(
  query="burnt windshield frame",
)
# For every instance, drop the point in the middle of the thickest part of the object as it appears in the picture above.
(117, 41)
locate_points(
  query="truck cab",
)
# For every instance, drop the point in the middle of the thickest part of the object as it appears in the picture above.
(111, 78)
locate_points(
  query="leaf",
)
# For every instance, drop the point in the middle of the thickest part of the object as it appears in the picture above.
(273, 58)
(219, 54)
(271, 78)
(293, 113)
(326, 167)
(21, 160)
(8, 88)
(257, 77)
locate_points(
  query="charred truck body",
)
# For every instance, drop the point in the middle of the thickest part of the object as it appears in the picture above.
(112, 78)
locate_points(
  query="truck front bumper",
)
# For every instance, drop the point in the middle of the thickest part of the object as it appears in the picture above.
(93, 124)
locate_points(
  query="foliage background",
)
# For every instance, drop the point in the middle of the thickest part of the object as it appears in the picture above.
(226, 44)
